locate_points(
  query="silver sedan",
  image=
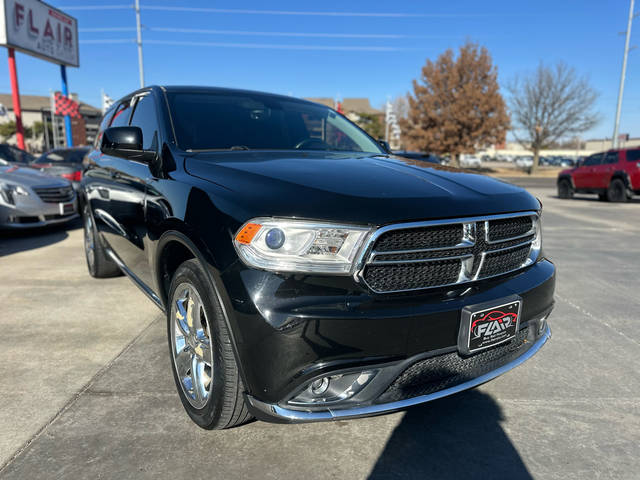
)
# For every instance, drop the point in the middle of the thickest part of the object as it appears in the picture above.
(29, 198)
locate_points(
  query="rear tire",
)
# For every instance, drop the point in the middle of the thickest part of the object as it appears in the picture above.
(617, 191)
(202, 359)
(565, 189)
(99, 263)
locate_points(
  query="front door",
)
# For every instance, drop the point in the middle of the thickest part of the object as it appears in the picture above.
(584, 176)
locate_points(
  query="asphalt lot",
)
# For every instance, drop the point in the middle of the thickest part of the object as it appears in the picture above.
(87, 389)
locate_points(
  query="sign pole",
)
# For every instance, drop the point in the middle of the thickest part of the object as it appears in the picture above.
(67, 118)
(15, 94)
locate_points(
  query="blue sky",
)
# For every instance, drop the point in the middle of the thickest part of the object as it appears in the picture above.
(585, 34)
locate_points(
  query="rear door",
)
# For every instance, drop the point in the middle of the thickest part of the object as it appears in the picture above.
(603, 172)
(124, 220)
(584, 176)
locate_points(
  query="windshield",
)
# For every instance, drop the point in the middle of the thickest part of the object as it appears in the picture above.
(67, 156)
(247, 121)
(13, 154)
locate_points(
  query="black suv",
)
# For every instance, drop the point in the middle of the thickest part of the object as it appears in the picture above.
(306, 273)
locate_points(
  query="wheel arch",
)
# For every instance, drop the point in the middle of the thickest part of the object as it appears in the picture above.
(566, 176)
(185, 247)
(621, 175)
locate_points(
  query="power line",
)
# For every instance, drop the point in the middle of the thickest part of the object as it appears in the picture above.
(292, 34)
(109, 40)
(282, 12)
(96, 7)
(279, 46)
(108, 29)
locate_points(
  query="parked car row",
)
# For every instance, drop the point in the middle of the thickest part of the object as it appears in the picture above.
(39, 192)
(527, 160)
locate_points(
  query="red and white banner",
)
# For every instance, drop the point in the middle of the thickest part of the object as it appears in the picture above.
(38, 29)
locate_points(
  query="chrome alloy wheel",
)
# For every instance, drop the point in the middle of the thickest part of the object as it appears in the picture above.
(191, 345)
(89, 247)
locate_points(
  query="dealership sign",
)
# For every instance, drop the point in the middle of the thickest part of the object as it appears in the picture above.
(35, 28)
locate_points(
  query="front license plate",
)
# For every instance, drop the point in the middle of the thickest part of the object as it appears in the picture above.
(485, 325)
(66, 208)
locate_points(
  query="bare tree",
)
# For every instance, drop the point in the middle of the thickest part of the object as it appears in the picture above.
(400, 106)
(550, 104)
(456, 106)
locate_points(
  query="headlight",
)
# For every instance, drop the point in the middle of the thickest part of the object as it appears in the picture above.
(536, 244)
(285, 245)
(9, 190)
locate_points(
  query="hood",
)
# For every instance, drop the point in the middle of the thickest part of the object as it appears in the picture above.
(372, 189)
(29, 177)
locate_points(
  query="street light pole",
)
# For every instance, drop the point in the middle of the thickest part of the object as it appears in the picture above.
(139, 42)
(614, 140)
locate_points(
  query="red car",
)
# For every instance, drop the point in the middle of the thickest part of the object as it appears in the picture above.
(614, 175)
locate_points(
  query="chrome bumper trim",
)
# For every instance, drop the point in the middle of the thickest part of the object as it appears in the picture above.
(293, 416)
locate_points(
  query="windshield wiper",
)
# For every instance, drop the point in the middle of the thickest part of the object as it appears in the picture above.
(235, 147)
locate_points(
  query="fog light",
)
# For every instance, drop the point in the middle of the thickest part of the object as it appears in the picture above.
(333, 388)
(318, 387)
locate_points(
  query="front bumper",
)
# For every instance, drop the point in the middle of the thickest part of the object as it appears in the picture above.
(276, 413)
(291, 330)
(32, 213)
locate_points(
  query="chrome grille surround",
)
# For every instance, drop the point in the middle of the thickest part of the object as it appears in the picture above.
(54, 194)
(477, 253)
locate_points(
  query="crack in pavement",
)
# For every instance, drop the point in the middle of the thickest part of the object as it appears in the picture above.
(593, 317)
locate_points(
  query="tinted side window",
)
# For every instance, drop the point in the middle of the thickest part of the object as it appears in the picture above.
(103, 124)
(144, 116)
(633, 155)
(611, 157)
(593, 160)
(121, 117)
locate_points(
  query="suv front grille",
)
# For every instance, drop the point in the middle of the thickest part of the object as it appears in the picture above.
(55, 195)
(410, 257)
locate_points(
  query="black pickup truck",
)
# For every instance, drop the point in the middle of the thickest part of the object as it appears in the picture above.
(306, 273)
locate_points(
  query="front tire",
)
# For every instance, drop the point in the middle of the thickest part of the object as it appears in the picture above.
(202, 359)
(98, 262)
(565, 189)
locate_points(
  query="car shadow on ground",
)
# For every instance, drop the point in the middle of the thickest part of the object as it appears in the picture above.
(452, 438)
(15, 241)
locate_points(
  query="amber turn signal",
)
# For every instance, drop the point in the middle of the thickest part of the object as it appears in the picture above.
(247, 233)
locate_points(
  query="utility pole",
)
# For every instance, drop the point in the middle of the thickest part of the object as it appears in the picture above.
(53, 120)
(614, 140)
(139, 42)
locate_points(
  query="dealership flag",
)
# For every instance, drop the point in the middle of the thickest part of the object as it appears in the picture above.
(66, 106)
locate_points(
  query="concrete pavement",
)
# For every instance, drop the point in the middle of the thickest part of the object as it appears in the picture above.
(87, 389)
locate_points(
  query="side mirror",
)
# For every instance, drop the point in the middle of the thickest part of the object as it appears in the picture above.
(385, 145)
(125, 142)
